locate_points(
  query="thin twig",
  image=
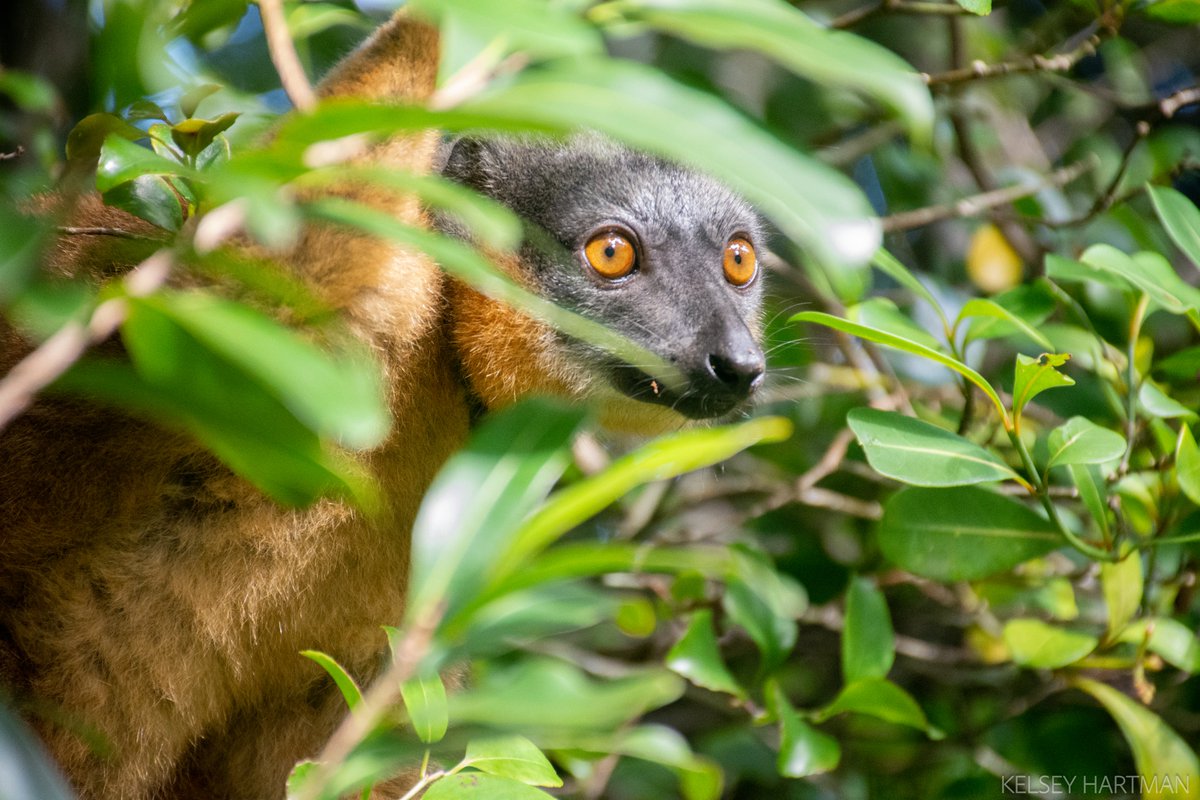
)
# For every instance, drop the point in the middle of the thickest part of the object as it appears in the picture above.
(975, 204)
(118, 233)
(56, 355)
(917, 7)
(981, 70)
(283, 55)
(1170, 106)
(20, 151)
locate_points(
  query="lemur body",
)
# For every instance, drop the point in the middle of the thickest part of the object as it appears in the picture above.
(149, 593)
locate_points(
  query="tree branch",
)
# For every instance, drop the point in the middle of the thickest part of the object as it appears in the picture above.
(980, 70)
(284, 57)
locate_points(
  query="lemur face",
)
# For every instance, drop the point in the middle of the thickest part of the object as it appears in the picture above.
(661, 254)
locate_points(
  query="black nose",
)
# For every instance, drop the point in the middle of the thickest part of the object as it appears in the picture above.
(739, 372)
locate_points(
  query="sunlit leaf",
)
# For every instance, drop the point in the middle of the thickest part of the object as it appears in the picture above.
(1034, 643)
(922, 454)
(345, 683)
(882, 314)
(1036, 375)
(121, 160)
(513, 757)
(1179, 215)
(425, 704)
(1175, 642)
(1121, 583)
(803, 750)
(1187, 464)
(983, 308)
(881, 699)
(868, 643)
(1092, 491)
(192, 98)
(1081, 441)
(480, 786)
(697, 657)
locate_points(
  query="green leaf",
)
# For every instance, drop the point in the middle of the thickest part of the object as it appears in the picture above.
(90, 135)
(1029, 303)
(545, 695)
(1081, 441)
(1145, 272)
(513, 757)
(1174, 12)
(425, 703)
(480, 786)
(299, 778)
(335, 394)
(803, 750)
(345, 683)
(149, 197)
(194, 135)
(1092, 491)
(697, 657)
(789, 37)
(1121, 583)
(1187, 464)
(1160, 755)
(192, 98)
(1179, 215)
(1169, 638)
(981, 307)
(29, 92)
(1157, 403)
(868, 643)
(922, 454)
(699, 778)
(980, 7)
(962, 533)
(1066, 269)
(1036, 375)
(662, 458)
(908, 346)
(507, 467)
(882, 314)
(1033, 643)
(121, 160)
(765, 603)
(891, 266)
(879, 698)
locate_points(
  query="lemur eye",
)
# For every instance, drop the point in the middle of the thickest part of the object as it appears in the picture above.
(611, 255)
(740, 264)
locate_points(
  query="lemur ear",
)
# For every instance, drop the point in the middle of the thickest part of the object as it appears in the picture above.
(464, 160)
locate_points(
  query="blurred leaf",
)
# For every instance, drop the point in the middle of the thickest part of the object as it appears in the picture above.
(507, 467)
(1065, 269)
(203, 16)
(425, 704)
(764, 602)
(90, 134)
(1081, 441)
(1163, 759)
(992, 263)
(635, 617)
(961, 533)
(194, 135)
(891, 266)
(662, 458)
(1157, 403)
(335, 394)
(697, 657)
(479, 786)
(1033, 643)
(1145, 272)
(803, 750)
(1121, 582)
(1187, 464)
(922, 454)
(699, 778)
(1092, 492)
(879, 698)
(299, 778)
(26, 772)
(22, 238)
(1169, 638)
(121, 160)
(982, 308)
(1175, 12)
(1179, 215)
(981, 7)
(28, 92)
(906, 345)
(551, 695)
(1036, 375)
(1030, 304)
(309, 19)
(788, 36)
(149, 197)
(192, 98)
(882, 314)
(868, 643)
(346, 684)
(513, 757)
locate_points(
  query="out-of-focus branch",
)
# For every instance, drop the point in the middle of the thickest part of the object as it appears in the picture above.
(117, 233)
(56, 355)
(976, 204)
(980, 70)
(284, 57)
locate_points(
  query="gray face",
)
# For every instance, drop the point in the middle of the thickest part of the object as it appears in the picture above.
(676, 301)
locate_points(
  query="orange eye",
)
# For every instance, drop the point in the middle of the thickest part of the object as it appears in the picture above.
(611, 255)
(740, 264)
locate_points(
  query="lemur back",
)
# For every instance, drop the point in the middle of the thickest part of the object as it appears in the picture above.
(150, 594)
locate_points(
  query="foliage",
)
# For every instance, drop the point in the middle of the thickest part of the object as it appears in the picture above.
(1002, 551)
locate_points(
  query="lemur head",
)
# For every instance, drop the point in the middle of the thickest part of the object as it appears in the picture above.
(653, 250)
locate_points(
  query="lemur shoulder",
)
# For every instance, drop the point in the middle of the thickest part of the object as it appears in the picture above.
(148, 592)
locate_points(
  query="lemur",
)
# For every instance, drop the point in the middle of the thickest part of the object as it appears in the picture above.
(148, 592)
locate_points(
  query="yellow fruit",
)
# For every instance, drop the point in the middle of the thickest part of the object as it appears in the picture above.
(992, 264)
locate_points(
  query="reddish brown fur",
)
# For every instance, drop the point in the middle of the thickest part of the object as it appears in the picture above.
(152, 595)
